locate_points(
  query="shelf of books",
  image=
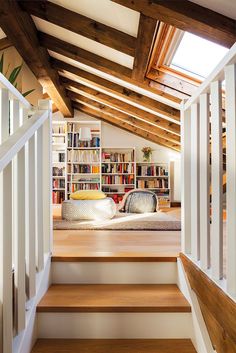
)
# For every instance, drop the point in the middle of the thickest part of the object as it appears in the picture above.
(118, 172)
(58, 162)
(83, 157)
(155, 177)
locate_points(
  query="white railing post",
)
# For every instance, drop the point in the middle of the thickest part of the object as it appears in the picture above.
(186, 180)
(18, 225)
(31, 236)
(47, 177)
(230, 88)
(216, 180)
(6, 310)
(40, 239)
(195, 191)
(204, 181)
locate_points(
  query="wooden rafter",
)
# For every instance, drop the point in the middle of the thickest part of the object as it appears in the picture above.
(146, 35)
(21, 31)
(101, 64)
(82, 25)
(120, 105)
(188, 16)
(5, 43)
(125, 126)
(144, 125)
(118, 90)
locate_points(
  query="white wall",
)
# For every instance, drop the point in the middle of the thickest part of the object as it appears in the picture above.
(115, 137)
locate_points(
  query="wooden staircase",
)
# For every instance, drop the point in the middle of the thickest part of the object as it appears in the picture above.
(108, 307)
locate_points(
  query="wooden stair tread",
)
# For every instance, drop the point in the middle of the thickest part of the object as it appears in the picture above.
(113, 298)
(114, 346)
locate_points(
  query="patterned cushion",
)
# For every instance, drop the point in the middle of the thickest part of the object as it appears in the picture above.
(74, 210)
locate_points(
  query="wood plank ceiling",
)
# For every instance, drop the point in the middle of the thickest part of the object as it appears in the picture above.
(143, 97)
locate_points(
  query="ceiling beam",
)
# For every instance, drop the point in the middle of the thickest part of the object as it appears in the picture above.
(5, 43)
(188, 16)
(145, 40)
(21, 31)
(118, 90)
(120, 105)
(144, 125)
(125, 126)
(82, 25)
(99, 63)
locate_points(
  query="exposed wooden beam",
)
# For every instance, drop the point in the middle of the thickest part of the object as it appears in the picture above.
(125, 126)
(99, 63)
(5, 43)
(146, 36)
(144, 125)
(21, 31)
(188, 16)
(120, 105)
(82, 25)
(118, 90)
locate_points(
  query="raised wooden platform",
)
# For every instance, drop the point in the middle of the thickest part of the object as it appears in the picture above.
(114, 298)
(114, 346)
(105, 245)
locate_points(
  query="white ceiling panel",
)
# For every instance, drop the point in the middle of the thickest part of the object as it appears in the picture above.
(2, 34)
(84, 43)
(105, 11)
(224, 7)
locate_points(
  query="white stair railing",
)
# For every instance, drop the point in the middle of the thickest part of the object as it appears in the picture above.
(25, 205)
(203, 119)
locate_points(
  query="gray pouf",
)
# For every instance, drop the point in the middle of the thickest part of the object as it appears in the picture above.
(75, 210)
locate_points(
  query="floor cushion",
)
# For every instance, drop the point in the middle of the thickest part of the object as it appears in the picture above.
(139, 201)
(74, 210)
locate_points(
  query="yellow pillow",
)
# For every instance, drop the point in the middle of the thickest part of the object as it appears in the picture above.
(88, 195)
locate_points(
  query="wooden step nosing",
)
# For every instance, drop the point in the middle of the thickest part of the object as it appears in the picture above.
(56, 258)
(113, 309)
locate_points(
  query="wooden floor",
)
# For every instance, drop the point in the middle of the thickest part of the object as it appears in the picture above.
(113, 298)
(115, 245)
(113, 346)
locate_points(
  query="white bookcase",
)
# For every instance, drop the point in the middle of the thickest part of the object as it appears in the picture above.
(59, 141)
(83, 157)
(155, 176)
(118, 171)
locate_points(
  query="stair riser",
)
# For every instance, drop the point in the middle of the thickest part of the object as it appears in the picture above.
(115, 325)
(114, 272)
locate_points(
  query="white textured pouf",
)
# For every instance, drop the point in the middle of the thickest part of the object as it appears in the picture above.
(75, 210)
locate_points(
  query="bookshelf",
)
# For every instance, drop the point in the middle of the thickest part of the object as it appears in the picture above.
(118, 172)
(83, 157)
(58, 162)
(155, 177)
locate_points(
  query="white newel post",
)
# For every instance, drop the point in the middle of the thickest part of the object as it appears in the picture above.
(47, 176)
(6, 310)
(230, 88)
(186, 180)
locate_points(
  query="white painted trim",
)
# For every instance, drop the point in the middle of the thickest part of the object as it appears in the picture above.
(15, 142)
(13, 91)
(217, 74)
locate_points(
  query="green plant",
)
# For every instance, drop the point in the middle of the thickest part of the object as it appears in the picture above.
(12, 77)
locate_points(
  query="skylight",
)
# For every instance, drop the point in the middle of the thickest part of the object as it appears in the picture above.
(197, 56)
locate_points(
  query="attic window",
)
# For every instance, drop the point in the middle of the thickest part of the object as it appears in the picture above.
(196, 56)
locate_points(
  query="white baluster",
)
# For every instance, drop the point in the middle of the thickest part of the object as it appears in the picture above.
(230, 88)
(186, 180)
(216, 180)
(204, 182)
(6, 310)
(195, 191)
(31, 236)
